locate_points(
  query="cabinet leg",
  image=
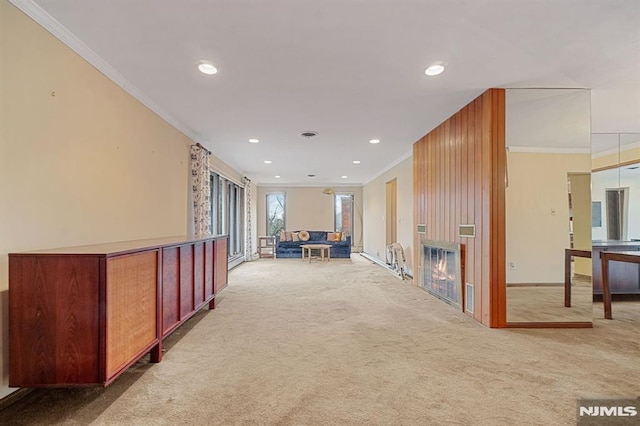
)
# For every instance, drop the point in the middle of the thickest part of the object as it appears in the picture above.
(212, 304)
(567, 279)
(156, 353)
(606, 292)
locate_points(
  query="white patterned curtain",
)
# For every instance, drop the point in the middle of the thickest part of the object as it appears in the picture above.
(248, 253)
(200, 190)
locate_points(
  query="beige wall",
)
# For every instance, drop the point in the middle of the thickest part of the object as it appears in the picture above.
(308, 208)
(581, 210)
(81, 161)
(611, 160)
(537, 211)
(374, 194)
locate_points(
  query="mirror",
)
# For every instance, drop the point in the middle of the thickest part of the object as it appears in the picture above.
(616, 207)
(548, 206)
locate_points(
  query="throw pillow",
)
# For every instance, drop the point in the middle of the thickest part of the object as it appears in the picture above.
(288, 236)
(333, 236)
(283, 236)
(294, 236)
(337, 236)
(303, 235)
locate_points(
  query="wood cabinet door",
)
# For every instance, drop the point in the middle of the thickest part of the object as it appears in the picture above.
(170, 288)
(208, 269)
(221, 268)
(186, 281)
(131, 308)
(198, 275)
(53, 320)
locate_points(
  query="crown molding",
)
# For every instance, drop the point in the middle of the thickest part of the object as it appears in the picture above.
(612, 151)
(548, 150)
(49, 23)
(353, 186)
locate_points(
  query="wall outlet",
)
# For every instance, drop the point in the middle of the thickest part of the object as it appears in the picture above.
(512, 265)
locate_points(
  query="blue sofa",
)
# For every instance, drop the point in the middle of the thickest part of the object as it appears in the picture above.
(293, 249)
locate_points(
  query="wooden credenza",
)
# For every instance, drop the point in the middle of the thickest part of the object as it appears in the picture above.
(81, 316)
(624, 278)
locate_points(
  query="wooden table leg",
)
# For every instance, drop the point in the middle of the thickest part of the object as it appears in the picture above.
(606, 293)
(328, 254)
(567, 279)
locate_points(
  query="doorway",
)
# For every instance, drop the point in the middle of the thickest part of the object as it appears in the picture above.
(616, 199)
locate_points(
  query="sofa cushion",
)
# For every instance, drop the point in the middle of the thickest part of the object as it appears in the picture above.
(294, 236)
(304, 236)
(317, 236)
(286, 235)
(334, 236)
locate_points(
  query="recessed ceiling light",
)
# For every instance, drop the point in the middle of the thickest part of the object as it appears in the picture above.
(277, 176)
(267, 161)
(311, 175)
(434, 70)
(374, 141)
(343, 177)
(309, 134)
(356, 161)
(253, 140)
(207, 68)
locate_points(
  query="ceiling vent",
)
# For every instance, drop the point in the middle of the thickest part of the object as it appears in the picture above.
(308, 134)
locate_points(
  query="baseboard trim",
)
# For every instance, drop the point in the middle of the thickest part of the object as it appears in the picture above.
(14, 397)
(582, 276)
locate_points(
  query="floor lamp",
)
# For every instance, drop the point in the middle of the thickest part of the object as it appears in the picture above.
(356, 247)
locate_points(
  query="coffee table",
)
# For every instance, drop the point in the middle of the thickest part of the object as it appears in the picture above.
(322, 247)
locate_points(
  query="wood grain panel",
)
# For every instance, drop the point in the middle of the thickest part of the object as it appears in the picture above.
(458, 179)
(221, 267)
(208, 269)
(53, 320)
(498, 216)
(186, 281)
(132, 283)
(198, 275)
(477, 194)
(170, 288)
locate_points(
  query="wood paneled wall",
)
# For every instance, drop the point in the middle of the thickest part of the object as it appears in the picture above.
(459, 178)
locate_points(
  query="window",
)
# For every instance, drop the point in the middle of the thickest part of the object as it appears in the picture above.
(275, 213)
(227, 212)
(344, 214)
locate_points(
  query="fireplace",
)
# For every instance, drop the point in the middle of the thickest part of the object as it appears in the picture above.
(441, 272)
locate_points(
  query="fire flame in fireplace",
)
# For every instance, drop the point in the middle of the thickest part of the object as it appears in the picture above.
(440, 271)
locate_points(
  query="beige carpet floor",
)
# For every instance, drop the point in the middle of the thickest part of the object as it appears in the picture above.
(348, 343)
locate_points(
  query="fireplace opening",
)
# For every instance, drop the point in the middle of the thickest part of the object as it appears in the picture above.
(441, 271)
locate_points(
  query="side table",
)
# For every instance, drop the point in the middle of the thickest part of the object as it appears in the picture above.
(267, 247)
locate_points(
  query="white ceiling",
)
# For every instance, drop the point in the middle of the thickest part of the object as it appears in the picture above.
(352, 70)
(548, 120)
